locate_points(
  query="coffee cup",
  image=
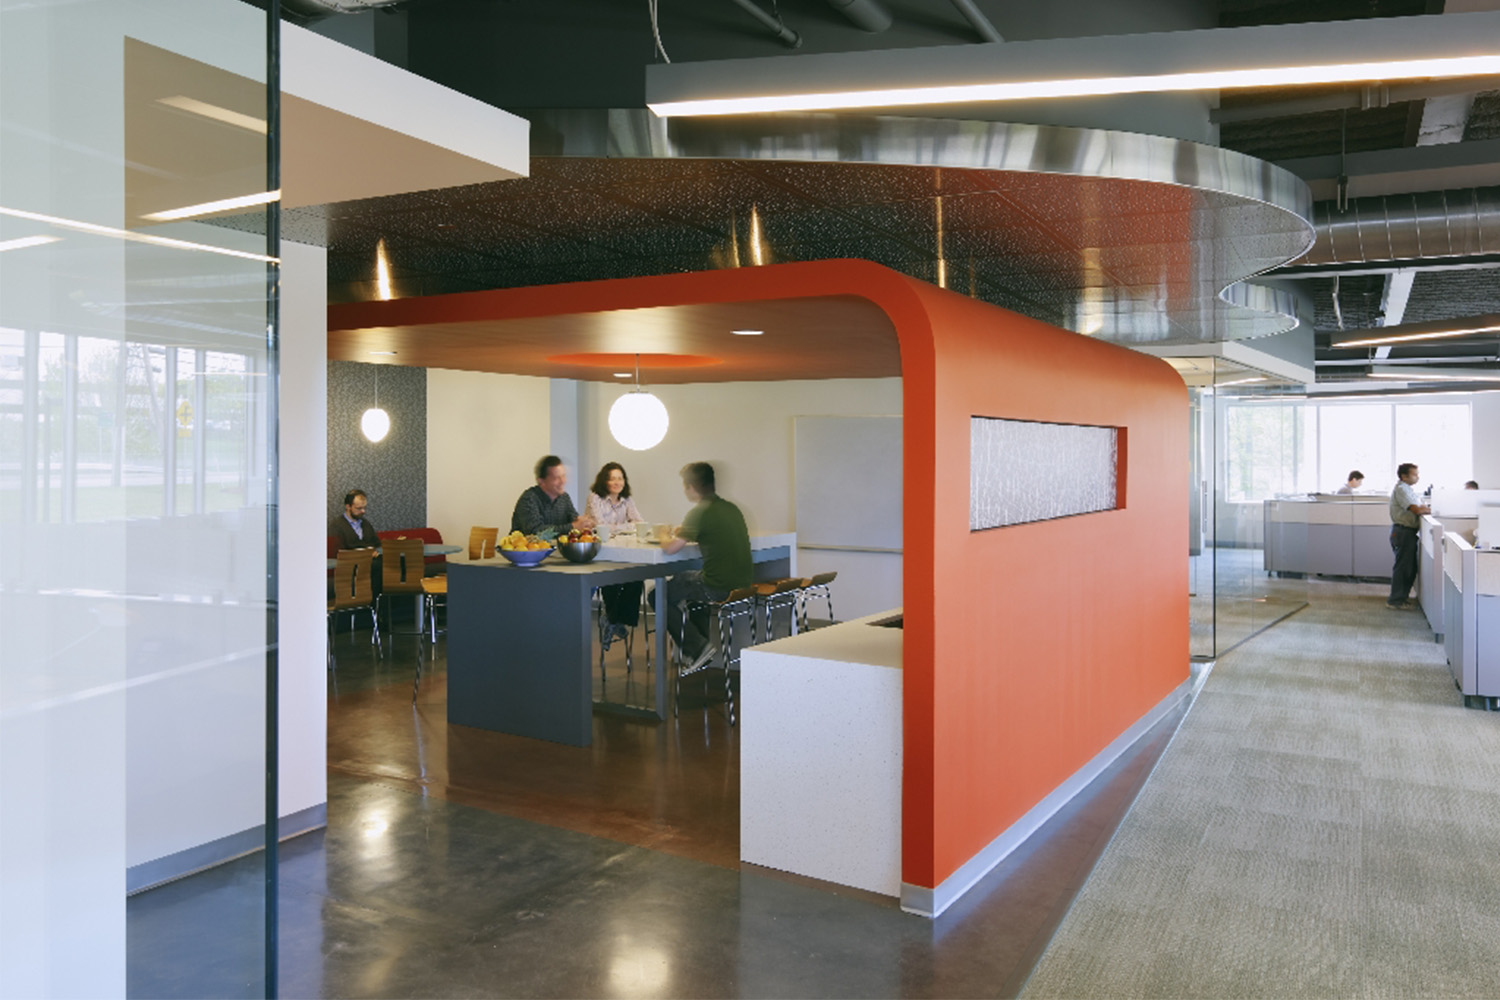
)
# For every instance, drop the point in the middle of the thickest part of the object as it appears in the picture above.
(643, 531)
(663, 532)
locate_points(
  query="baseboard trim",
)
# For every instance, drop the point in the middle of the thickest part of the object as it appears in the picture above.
(932, 902)
(150, 874)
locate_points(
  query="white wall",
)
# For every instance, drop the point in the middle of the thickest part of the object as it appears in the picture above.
(484, 435)
(1487, 439)
(745, 429)
(303, 636)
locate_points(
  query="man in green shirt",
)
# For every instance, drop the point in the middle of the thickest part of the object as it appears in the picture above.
(719, 529)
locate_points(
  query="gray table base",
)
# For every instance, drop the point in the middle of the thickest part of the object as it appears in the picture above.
(520, 643)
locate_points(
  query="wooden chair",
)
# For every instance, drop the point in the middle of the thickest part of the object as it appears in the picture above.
(482, 542)
(781, 595)
(353, 592)
(813, 588)
(736, 605)
(402, 566)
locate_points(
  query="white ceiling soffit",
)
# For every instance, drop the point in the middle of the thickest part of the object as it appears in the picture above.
(352, 127)
(355, 127)
(1239, 353)
(1198, 60)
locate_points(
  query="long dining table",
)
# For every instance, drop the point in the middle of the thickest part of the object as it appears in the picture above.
(521, 639)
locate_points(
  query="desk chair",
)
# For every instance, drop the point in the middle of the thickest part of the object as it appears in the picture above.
(402, 567)
(482, 542)
(353, 592)
(736, 605)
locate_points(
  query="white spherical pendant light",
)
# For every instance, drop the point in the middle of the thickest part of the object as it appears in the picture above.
(638, 420)
(376, 423)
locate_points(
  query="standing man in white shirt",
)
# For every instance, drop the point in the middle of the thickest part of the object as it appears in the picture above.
(1406, 509)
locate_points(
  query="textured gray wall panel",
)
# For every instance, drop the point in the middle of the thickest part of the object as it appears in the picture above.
(393, 471)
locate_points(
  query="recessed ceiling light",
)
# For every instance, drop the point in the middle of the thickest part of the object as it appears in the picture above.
(747, 333)
(390, 354)
(622, 374)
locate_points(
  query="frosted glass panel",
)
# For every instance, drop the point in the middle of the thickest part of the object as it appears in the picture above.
(1021, 471)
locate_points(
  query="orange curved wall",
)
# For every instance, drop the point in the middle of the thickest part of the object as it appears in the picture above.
(1027, 649)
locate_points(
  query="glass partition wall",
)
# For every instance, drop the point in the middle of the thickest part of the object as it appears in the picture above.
(1236, 452)
(136, 495)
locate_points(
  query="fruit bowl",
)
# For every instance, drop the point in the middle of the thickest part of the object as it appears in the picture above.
(525, 557)
(579, 552)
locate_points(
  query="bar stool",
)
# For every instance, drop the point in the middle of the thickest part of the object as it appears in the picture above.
(813, 588)
(736, 605)
(781, 595)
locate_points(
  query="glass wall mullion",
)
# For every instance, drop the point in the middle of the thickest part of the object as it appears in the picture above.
(169, 431)
(70, 430)
(200, 431)
(31, 357)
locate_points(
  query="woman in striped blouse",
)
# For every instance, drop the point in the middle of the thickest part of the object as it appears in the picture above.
(610, 503)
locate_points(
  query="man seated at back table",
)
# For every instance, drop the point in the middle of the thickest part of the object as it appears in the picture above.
(719, 529)
(547, 504)
(354, 531)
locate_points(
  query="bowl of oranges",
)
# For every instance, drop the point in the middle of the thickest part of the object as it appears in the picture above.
(578, 546)
(524, 550)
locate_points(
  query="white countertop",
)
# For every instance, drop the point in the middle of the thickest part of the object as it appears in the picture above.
(855, 641)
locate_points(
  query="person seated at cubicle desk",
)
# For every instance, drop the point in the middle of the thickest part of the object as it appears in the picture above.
(1471, 485)
(1352, 484)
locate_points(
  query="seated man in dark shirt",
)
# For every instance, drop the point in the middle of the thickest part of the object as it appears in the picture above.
(547, 505)
(354, 531)
(352, 528)
(719, 529)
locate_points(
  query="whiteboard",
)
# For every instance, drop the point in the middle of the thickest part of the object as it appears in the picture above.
(848, 481)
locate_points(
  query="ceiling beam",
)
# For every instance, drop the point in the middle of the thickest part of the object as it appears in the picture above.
(1356, 98)
(1447, 166)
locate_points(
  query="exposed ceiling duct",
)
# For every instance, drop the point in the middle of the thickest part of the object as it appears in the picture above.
(323, 7)
(867, 14)
(778, 28)
(1463, 223)
(976, 18)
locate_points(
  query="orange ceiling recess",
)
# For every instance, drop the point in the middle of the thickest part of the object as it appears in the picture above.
(566, 331)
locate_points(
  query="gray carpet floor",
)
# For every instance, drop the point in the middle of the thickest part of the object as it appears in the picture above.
(1326, 823)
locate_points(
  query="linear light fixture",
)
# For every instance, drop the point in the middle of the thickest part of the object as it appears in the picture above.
(125, 234)
(1334, 52)
(1435, 375)
(27, 241)
(210, 207)
(205, 110)
(1408, 332)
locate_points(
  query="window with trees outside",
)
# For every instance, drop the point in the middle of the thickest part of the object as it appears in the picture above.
(1281, 447)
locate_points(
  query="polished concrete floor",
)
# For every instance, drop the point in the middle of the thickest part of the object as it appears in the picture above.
(463, 863)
